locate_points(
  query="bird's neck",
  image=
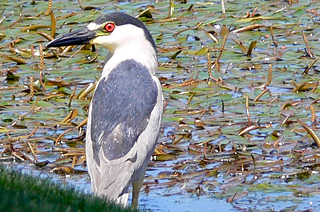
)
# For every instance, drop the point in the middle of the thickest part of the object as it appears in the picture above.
(144, 54)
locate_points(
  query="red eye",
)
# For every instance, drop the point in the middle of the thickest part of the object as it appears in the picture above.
(109, 27)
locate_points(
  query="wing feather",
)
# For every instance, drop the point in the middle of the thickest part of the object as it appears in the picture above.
(121, 108)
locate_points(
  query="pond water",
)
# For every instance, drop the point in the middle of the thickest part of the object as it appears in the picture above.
(240, 129)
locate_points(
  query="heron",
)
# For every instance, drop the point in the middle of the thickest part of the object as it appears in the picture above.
(126, 108)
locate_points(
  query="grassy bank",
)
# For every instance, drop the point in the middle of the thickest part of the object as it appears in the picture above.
(20, 192)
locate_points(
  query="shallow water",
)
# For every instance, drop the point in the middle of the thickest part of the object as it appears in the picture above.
(203, 161)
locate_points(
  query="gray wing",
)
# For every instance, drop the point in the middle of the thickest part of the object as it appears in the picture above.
(121, 108)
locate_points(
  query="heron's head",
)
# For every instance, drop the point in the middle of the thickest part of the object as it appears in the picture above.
(114, 31)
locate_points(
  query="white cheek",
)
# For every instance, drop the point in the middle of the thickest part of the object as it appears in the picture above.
(127, 42)
(102, 40)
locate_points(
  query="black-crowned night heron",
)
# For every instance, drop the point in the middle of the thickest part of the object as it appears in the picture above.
(126, 108)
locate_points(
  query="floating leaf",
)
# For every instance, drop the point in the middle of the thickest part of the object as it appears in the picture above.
(53, 24)
(311, 132)
(202, 51)
(251, 47)
(72, 115)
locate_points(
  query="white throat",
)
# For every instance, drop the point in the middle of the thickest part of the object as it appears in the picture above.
(142, 53)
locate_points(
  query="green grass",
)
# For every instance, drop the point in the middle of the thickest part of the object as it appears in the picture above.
(21, 192)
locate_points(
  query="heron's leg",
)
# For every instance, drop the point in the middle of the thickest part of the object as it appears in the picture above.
(136, 191)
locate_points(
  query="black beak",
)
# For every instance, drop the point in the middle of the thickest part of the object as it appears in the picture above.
(78, 37)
